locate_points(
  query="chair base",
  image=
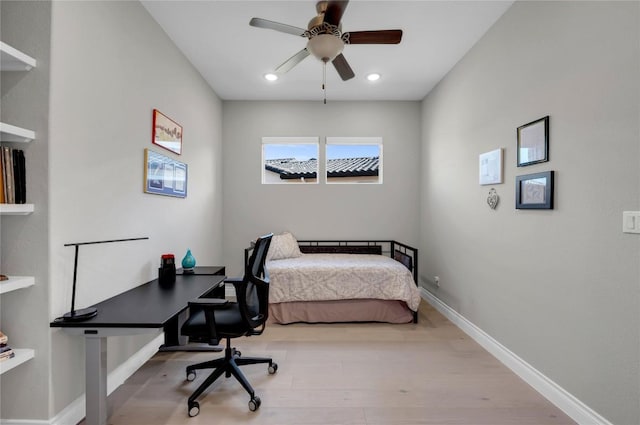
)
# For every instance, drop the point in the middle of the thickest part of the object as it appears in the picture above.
(230, 366)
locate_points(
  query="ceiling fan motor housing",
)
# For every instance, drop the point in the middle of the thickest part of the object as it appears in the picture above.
(325, 41)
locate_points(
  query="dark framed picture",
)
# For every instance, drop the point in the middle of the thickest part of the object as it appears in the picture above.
(533, 142)
(166, 132)
(535, 191)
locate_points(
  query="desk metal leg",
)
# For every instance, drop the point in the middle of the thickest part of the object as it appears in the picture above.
(96, 379)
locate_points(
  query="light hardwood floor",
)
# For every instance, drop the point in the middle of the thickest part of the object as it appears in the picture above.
(425, 373)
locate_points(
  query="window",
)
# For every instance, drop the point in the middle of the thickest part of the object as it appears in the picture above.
(354, 160)
(289, 160)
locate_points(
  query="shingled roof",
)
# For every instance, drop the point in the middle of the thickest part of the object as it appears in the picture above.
(290, 168)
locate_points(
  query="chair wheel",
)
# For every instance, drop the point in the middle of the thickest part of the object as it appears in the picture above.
(194, 409)
(191, 375)
(273, 368)
(254, 403)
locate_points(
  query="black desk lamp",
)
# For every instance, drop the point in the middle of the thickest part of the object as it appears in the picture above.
(85, 313)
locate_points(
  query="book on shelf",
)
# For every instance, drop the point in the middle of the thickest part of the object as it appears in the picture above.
(6, 352)
(2, 199)
(19, 177)
(7, 162)
(14, 187)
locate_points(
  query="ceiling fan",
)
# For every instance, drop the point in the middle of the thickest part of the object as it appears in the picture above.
(326, 39)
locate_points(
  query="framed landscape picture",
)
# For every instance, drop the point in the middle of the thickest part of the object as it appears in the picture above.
(166, 133)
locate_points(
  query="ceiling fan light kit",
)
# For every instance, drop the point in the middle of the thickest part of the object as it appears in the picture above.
(325, 47)
(326, 39)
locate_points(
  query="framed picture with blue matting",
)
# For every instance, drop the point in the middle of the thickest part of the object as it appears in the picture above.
(164, 175)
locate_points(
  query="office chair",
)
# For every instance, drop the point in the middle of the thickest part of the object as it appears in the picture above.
(215, 319)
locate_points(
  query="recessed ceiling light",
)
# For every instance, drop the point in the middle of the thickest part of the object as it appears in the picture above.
(373, 77)
(270, 77)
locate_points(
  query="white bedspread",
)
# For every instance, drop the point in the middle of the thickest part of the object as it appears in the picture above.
(321, 277)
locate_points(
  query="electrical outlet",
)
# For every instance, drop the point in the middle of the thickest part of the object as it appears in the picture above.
(436, 280)
(631, 221)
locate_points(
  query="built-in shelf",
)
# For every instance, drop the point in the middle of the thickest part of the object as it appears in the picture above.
(11, 133)
(16, 282)
(21, 355)
(16, 209)
(12, 59)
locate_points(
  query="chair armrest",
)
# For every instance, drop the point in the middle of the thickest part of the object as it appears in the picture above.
(238, 283)
(215, 303)
(207, 306)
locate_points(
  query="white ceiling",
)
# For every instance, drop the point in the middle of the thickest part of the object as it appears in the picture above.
(233, 56)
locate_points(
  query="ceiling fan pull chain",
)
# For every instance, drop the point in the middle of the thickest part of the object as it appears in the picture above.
(324, 81)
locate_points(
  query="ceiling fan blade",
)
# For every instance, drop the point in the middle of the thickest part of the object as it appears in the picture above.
(277, 26)
(343, 68)
(334, 12)
(374, 37)
(292, 61)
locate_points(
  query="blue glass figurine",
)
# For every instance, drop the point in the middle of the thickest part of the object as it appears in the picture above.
(188, 262)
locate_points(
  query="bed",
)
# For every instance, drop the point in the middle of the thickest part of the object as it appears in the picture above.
(341, 281)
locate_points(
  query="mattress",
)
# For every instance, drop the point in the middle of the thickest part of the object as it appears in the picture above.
(331, 277)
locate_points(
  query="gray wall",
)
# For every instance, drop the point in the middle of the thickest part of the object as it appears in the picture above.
(387, 211)
(558, 288)
(111, 66)
(24, 251)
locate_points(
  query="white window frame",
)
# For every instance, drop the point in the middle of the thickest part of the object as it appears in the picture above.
(307, 140)
(353, 141)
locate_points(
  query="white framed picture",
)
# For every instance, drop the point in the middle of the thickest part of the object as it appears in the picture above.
(491, 167)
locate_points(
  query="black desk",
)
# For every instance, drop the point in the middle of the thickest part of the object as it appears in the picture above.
(146, 308)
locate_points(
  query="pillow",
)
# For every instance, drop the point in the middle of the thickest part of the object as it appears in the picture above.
(283, 246)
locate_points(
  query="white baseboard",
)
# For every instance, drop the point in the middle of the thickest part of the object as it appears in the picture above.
(574, 408)
(23, 422)
(135, 362)
(229, 292)
(75, 412)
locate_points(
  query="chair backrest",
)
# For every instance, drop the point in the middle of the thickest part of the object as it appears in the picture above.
(253, 296)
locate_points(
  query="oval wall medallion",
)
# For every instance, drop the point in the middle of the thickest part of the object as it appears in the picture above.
(493, 199)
